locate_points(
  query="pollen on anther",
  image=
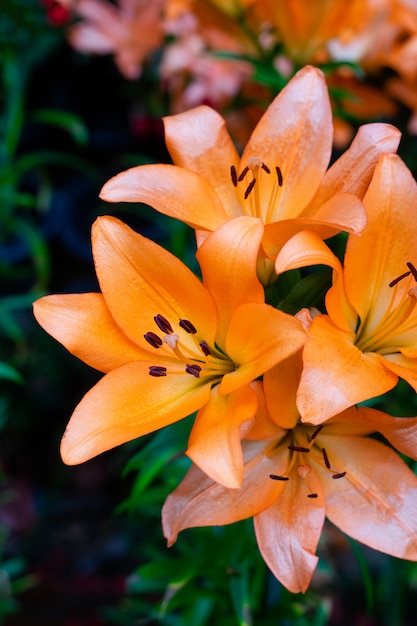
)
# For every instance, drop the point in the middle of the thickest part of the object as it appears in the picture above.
(153, 339)
(312, 495)
(163, 324)
(204, 348)
(243, 174)
(233, 174)
(413, 270)
(279, 176)
(398, 279)
(325, 458)
(188, 326)
(339, 475)
(275, 477)
(193, 369)
(265, 168)
(249, 188)
(157, 371)
(316, 432)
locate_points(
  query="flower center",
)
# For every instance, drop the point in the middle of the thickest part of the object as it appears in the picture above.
(257, 176)
(396, 319)
(198, 359)
(305, 449)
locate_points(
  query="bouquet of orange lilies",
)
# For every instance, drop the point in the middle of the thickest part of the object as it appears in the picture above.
(279, 377)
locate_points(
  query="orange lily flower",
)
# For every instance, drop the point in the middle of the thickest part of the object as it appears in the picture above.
(281, 177)
(306, 26)
(368, 339)
(169, 344)
(297, 474)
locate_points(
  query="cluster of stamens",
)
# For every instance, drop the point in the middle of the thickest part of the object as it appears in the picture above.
(380, 339)
(255, 166)
(304, 469)
(202, 360)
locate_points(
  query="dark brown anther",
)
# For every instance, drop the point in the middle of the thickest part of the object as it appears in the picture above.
(204, 348)
(325, 458)
(265, 168)
(188, 327)
(194, 370)
(157, 371)
(412, 270)
(153, 339)
(163, 324)
(312, 495)
(233, 174)
(298, 449)
(397, 280)
(279, 175)
(249, 188)
(275, 477)
(243, 174)
(316, 432)
(340, 475)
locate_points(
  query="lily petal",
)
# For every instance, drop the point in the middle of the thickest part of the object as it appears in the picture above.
(401, 432)
(280, 386)
(387, 243)
(341, 212)
(154, 280)
(125, 404)
(214, 442)
(197, 140)
(288, 533)
(336, 374)
(198, 501)
(277, 336)
(83, 324)
(304, 128)
(170, 190)
(352, 172)
(236, 243)
(376, 502)
(403, 367)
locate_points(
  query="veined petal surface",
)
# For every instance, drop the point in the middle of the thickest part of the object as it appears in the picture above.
(336, 374)
(198, 140)
(295, 134)
(214, 443)
(171, 190)
(128, 403)
(288, 533)
(83, 324)
(139, 280)
(376, 502)
(259, 336)
(236, 246)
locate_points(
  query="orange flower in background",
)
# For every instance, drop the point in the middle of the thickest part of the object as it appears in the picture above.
(281, 178)
(130, 30)
(368, 339)
(296, 474)
(306, 26)
(169, 344)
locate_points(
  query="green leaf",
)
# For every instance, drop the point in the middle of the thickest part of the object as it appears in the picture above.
(7, 372)
(70, 122)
